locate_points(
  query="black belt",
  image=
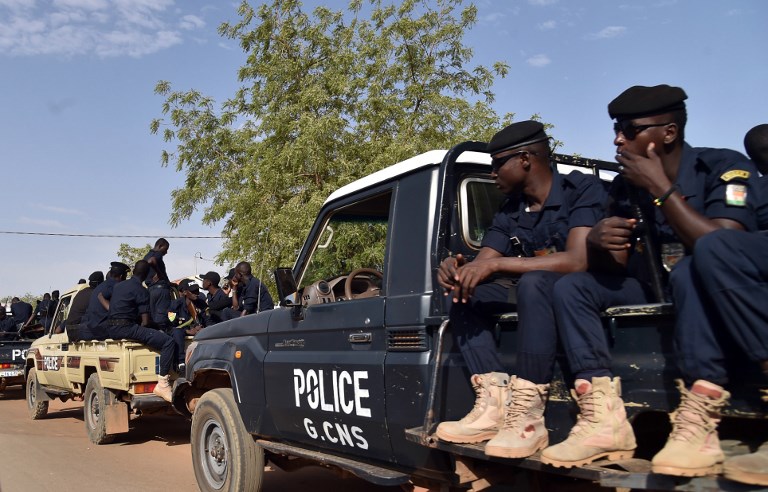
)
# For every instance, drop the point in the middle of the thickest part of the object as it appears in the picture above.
(120, 322)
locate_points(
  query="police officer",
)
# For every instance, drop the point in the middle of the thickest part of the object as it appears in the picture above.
(130, 303)
(158, 284)
(21, 311)
(216, 299)
(733, 269)
(683, 193)
(249, 295)
(8, 328)
(538, 235)
(43, 312)
(79, 304)
(96, 313)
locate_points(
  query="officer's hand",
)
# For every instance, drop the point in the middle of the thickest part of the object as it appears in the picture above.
(613, 234)
(447, 273)
(470, 275)
(644, 172)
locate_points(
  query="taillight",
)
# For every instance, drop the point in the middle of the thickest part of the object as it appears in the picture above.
(144, 388)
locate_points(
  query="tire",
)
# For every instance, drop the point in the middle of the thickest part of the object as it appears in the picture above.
(95, 400)
(225, 456)
(37, 409)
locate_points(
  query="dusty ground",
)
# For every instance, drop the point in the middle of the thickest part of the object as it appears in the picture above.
(54, 454)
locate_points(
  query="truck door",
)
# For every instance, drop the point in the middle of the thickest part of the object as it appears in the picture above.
(325, 372)
(54, 348)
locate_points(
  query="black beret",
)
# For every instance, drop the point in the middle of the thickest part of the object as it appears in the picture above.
(639, 101)
(119, 268)
(516, 135)
(96, 276)
(213, 277)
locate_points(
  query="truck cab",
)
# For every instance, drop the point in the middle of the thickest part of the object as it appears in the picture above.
(357, 366)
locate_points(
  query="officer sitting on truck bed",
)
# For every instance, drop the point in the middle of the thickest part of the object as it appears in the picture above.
(92, 325)
(732, 267)
(538, 236)
(129, 303)
(684, 193)
(8, 328)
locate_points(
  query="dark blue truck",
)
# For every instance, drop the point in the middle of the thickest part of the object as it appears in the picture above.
(357, 367)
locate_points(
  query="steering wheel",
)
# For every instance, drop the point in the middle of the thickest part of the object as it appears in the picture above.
(355, 273)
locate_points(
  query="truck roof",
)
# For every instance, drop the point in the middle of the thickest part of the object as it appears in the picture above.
(430, 158)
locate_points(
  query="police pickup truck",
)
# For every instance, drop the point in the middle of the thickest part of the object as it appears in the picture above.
(357, 367)
(12, 356)
(114, 378)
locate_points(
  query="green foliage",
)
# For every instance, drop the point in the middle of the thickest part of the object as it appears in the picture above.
(326, 98)
(130, 255)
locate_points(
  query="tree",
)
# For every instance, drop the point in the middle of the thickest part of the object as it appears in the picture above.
(326, 98)
(130, 255)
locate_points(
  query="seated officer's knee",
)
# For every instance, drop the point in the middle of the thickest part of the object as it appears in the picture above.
(535, 284)
(715, 248)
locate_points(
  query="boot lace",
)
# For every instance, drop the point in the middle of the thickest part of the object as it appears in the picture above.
(481, 400)
(520, 401)
(692, 418)
(588, 415)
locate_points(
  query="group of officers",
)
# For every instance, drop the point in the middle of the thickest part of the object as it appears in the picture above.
(563, 248)
(144, 308)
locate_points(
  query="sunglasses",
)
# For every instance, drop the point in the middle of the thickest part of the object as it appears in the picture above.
(630, 131)
(496, 164)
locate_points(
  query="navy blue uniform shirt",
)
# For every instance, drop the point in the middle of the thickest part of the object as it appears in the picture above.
(21, 311)
(218, 301)
(96, 314)
(129, 300)
(255, 297)
(703, 179)
(575, 200)
(152, 271)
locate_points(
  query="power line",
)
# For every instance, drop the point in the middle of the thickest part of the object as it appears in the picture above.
(21, 233)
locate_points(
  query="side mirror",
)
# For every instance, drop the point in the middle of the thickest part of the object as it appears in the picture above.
(286, 291)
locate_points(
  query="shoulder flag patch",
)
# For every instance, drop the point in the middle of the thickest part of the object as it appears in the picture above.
(735, 174)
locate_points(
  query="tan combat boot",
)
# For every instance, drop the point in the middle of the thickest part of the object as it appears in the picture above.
(749, 468)
(484, 421)
(601, 430)
(523, 432)
(693, 449)
(163, 388)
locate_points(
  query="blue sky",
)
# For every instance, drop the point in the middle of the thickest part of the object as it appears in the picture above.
(76, 101)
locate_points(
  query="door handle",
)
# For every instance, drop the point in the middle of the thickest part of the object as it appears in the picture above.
(360, 338)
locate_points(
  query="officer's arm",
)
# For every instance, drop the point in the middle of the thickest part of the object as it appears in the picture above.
(104, 302)
(573, 259)
(690, 225)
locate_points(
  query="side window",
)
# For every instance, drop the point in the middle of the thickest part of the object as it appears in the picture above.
(479, 200)
(353, 240)
(62, 310)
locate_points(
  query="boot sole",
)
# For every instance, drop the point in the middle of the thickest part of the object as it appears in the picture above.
(457, 439)
(687, 472)
(745, 476)
(502, 452)
(610, 455)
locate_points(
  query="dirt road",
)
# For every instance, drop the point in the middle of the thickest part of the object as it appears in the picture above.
(54, 454)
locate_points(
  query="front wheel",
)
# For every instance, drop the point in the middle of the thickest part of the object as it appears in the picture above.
(224, 455)
(37, 409)
(96, 399)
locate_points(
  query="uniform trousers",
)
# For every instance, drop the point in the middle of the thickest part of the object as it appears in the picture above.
(579, 298)
(472, 326)
(731, 267)
(150, 337)
(160, 303)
